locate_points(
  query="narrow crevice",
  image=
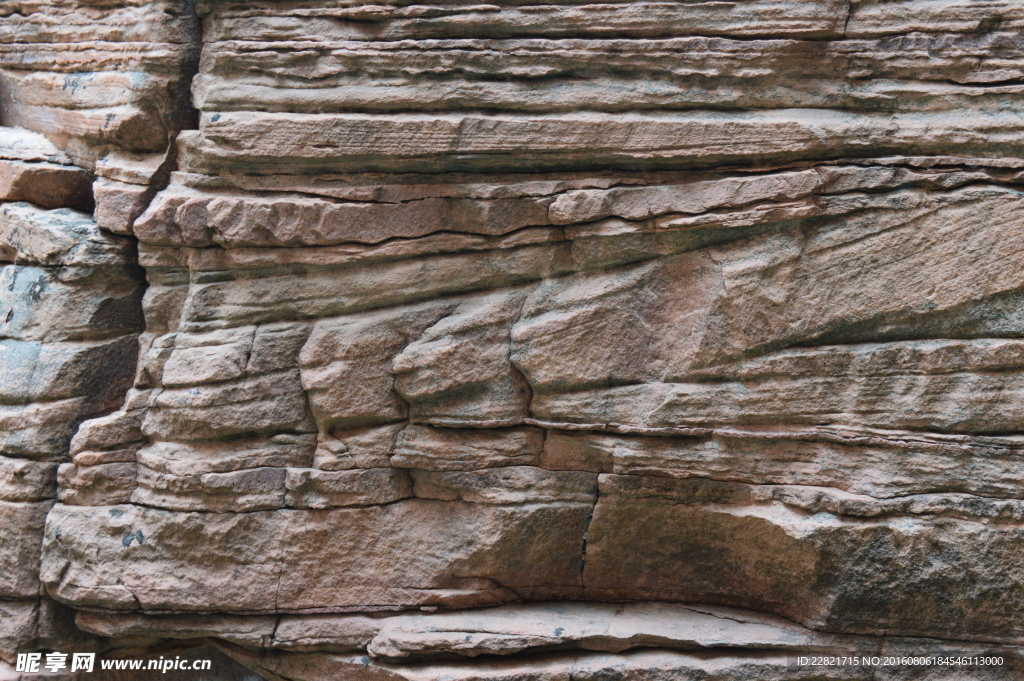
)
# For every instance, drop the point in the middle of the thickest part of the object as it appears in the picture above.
(586, 537)
(277, 626)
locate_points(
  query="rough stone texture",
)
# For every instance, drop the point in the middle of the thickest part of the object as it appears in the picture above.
(632, 341)
(92, 96)
(69, 327)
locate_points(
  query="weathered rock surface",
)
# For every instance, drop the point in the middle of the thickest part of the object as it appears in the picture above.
(69, 327)
(632, 341)
(91, 98)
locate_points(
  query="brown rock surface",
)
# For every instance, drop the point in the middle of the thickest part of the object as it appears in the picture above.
(633, 341)
(68, 344)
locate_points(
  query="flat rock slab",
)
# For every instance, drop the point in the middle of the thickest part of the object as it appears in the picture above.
(509, 630)
(300, 143)
(426, 553)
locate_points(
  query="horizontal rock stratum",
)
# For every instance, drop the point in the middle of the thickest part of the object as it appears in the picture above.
(532, 341)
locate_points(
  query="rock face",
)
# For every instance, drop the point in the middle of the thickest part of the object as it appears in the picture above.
(519, 342)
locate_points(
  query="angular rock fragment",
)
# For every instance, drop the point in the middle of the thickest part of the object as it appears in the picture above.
(459, 368)
(347, 364)
(48, 185)
(52, 305)
(26, 480)
(595, 329)
(99, 485)
(359, 448)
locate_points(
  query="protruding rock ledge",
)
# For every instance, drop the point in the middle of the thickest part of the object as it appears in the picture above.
(298, 143)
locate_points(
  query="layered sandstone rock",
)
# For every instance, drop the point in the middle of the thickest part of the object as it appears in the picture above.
(91, 97)
(69, 329)
(108, 84)
(517, 342)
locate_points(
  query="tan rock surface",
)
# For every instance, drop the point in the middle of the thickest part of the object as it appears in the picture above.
(426, 553)
(84, 89)
(633, 341)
